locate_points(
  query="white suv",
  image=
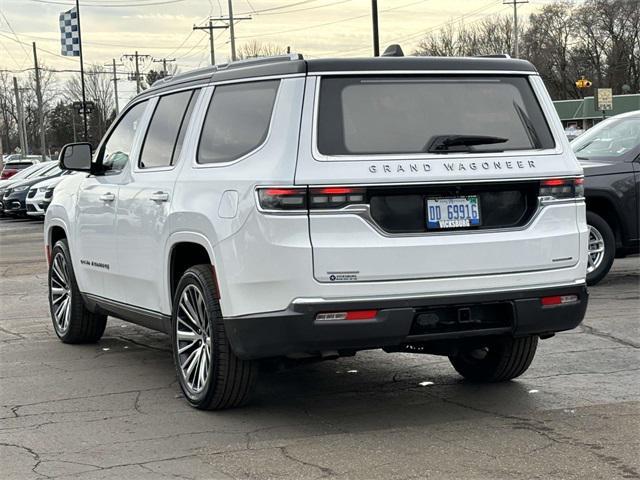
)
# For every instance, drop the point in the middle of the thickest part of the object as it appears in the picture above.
(296, 208)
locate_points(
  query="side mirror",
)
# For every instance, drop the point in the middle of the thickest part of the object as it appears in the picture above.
(76, 156)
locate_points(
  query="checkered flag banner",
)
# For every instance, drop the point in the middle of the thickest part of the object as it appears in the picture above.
(69, 33)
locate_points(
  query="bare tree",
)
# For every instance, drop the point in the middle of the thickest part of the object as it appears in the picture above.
(7, 112)
(488, 37)
(599, 39)
(256, 48)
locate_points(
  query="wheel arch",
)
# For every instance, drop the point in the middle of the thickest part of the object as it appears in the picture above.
(184, 250)
(604, 206)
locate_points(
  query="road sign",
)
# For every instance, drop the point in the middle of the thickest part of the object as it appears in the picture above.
(604, 99)
(88, 107)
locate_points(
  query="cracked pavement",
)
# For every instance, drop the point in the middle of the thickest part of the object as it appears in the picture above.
(114, 409)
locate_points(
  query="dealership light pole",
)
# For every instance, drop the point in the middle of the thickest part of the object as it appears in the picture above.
(374, 19)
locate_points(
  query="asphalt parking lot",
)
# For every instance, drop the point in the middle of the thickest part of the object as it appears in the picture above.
(114, 409)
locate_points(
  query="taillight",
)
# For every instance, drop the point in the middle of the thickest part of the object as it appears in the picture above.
(283, 198)
(335, 197)
(318, 198)
(560, 188)
(8, 173)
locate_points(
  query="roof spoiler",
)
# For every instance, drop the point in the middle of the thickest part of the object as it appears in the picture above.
(494, 55)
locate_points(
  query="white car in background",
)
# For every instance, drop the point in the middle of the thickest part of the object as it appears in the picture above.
(40, 195)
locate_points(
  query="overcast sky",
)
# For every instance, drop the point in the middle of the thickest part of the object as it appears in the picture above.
(163, 28)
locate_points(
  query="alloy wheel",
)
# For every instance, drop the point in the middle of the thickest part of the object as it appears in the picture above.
(193, 339)
(596, 249)
(60, 293)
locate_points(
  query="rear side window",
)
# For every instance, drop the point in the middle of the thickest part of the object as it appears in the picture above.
(237, 121)
(404, 115)
(163, 141)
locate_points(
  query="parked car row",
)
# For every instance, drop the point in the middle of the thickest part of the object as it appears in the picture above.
(29, 191)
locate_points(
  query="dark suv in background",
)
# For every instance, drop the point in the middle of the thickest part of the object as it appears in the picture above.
(610, 156)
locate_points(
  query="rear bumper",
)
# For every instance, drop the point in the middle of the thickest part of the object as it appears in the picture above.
(296, 330)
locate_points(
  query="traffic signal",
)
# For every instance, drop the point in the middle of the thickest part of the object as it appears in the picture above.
(583, 83)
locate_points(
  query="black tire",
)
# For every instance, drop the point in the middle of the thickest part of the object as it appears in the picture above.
(229, 380)
(81, 325)
(498, 362)
(603, 229)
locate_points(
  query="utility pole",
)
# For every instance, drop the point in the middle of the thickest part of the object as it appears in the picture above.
(21, 132)
(115, 82)
(164, 61)
(135, 58)
(211, 27)
(226, 23)
(232, 32)
(374, 18)
(515, 3)
(43, 145)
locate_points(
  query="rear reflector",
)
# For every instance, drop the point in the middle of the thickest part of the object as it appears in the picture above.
(351, 315)
(558, 300)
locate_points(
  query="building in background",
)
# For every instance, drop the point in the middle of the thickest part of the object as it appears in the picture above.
(579, 115)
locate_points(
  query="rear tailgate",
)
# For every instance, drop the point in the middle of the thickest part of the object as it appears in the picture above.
(388, 235)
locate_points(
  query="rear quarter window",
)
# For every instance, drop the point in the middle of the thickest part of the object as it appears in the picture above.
(402, 115)
(237, 121)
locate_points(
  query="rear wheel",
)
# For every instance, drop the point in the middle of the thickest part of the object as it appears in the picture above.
(496, 362)
(72, 321)
(210, 374)
(602, 246)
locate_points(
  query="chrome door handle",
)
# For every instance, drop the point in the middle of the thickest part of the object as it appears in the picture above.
(159, 197)
(107, 197)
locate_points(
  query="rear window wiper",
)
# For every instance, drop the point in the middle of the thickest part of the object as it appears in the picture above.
(460, 143)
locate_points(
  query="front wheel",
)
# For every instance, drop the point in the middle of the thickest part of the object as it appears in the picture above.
(72, 321)
(209, 373)
(499, 361)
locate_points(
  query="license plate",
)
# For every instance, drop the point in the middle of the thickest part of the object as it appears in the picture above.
(453, 212)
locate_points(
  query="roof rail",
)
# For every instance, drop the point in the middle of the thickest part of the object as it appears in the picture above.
(249, 62)
(494, 55)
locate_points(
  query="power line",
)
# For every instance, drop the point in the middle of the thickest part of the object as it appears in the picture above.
(39, 48)
(14, 34)
(430, 29)
(302, 9)
(108, 5)
(330, 23)
(104, 44)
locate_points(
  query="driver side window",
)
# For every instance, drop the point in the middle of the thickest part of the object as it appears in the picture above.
(118, 146)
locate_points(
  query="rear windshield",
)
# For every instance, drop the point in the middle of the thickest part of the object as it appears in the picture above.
(403, 115)
(18, 165)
